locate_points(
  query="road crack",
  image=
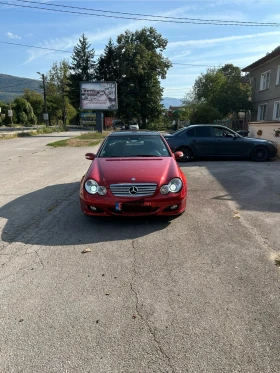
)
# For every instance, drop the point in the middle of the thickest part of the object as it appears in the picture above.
(39, 258)
(141, 316)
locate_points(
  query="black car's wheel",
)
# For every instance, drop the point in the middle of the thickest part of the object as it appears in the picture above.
(188, 154)
(260, 154)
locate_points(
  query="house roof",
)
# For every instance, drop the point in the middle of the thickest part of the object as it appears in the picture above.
(172, 108)
(262, 60)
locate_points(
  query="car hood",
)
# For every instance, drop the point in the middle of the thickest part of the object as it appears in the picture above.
(158, 170)
(256, 140)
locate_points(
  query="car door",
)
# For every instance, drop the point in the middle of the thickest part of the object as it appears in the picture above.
(203, 143)
(228, 144)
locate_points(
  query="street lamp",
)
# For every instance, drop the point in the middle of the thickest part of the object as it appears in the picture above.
(45, 115)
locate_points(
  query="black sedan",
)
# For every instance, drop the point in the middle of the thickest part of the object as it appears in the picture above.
(204, 140)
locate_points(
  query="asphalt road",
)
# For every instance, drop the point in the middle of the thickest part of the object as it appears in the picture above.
(198, 294)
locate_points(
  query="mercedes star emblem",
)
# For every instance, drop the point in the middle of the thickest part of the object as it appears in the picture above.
(133, 190)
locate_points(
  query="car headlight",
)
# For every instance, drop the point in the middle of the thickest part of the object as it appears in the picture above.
(174, 186)
(92, 187)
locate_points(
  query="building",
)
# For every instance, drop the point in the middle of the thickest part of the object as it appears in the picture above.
(264, 76)
(265, 80)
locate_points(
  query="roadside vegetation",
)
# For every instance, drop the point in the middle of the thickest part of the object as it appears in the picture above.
(39, 131)
(135, 61)
(86, 139)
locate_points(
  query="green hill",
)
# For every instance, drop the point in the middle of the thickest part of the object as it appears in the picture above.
(13, 86)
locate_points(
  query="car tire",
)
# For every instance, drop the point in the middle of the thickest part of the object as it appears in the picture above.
(260, 154)
(188, 154)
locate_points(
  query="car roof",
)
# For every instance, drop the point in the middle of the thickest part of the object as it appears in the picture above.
(207, 125)
(204, 125)
(135, 133)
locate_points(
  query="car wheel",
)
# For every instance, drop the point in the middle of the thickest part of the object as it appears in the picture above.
(187, 154)
(260, 154)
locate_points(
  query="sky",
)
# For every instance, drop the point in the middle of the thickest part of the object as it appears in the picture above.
(192, 47)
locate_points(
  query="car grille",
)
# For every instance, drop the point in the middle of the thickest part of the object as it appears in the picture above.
(133, 190)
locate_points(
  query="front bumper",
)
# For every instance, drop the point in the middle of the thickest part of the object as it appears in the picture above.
(273, 151)
(110, 205)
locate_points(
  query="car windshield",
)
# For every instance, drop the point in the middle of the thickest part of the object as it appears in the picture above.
(134, 146)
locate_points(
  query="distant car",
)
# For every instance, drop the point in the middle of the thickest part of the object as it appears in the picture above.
(218, 141)
(134, 126)
(134, 173)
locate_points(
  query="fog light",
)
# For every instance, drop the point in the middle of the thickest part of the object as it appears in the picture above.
(92, 208)
(174, 207)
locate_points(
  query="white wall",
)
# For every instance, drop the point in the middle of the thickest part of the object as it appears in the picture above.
(267, 129)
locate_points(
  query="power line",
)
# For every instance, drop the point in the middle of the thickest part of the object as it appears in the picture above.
(150, 15)
(203, 22)
(33, 46)
(97, 55)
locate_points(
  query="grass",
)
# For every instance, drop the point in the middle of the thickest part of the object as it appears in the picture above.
(86, 139)
(37, 132)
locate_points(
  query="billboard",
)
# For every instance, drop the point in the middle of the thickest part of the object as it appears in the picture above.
(98, 96)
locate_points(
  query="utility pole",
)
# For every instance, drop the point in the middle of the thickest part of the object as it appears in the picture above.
(11, 116)
(64, 106)
(45, 115)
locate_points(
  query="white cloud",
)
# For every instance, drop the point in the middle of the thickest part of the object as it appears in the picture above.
(12, 36)
(273, 18)
(99, 36)
(216, 41)
(240, 50)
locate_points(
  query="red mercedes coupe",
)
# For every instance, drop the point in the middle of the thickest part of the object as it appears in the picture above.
(134, 173)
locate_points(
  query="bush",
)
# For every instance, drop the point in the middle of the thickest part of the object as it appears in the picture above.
(22, 118)
(204, 114)
(24, 112)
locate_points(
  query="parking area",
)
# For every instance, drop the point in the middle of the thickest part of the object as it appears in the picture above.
(199, 293)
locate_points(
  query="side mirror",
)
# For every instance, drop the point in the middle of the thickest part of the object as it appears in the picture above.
(90, 156)
(178, 155)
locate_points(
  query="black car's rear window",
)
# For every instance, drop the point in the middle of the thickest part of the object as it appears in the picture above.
(134, 146)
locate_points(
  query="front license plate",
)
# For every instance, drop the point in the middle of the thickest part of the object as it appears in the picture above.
(144, 204)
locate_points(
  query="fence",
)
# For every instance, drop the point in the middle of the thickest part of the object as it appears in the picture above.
(235, 124)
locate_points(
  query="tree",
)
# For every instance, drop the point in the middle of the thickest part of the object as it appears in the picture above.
(107, 64)
(203, 113)
(82, 68)
(36, 100)
(57, 90)
(136, 63)
(24, 112)
(4, 119)
(223, 89)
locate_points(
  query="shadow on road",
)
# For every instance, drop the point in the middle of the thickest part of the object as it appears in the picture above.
(52, 217)
(253, 186)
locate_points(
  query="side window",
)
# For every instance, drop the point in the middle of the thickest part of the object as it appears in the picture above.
(203, 132)
(190, 132)
(218, 132)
